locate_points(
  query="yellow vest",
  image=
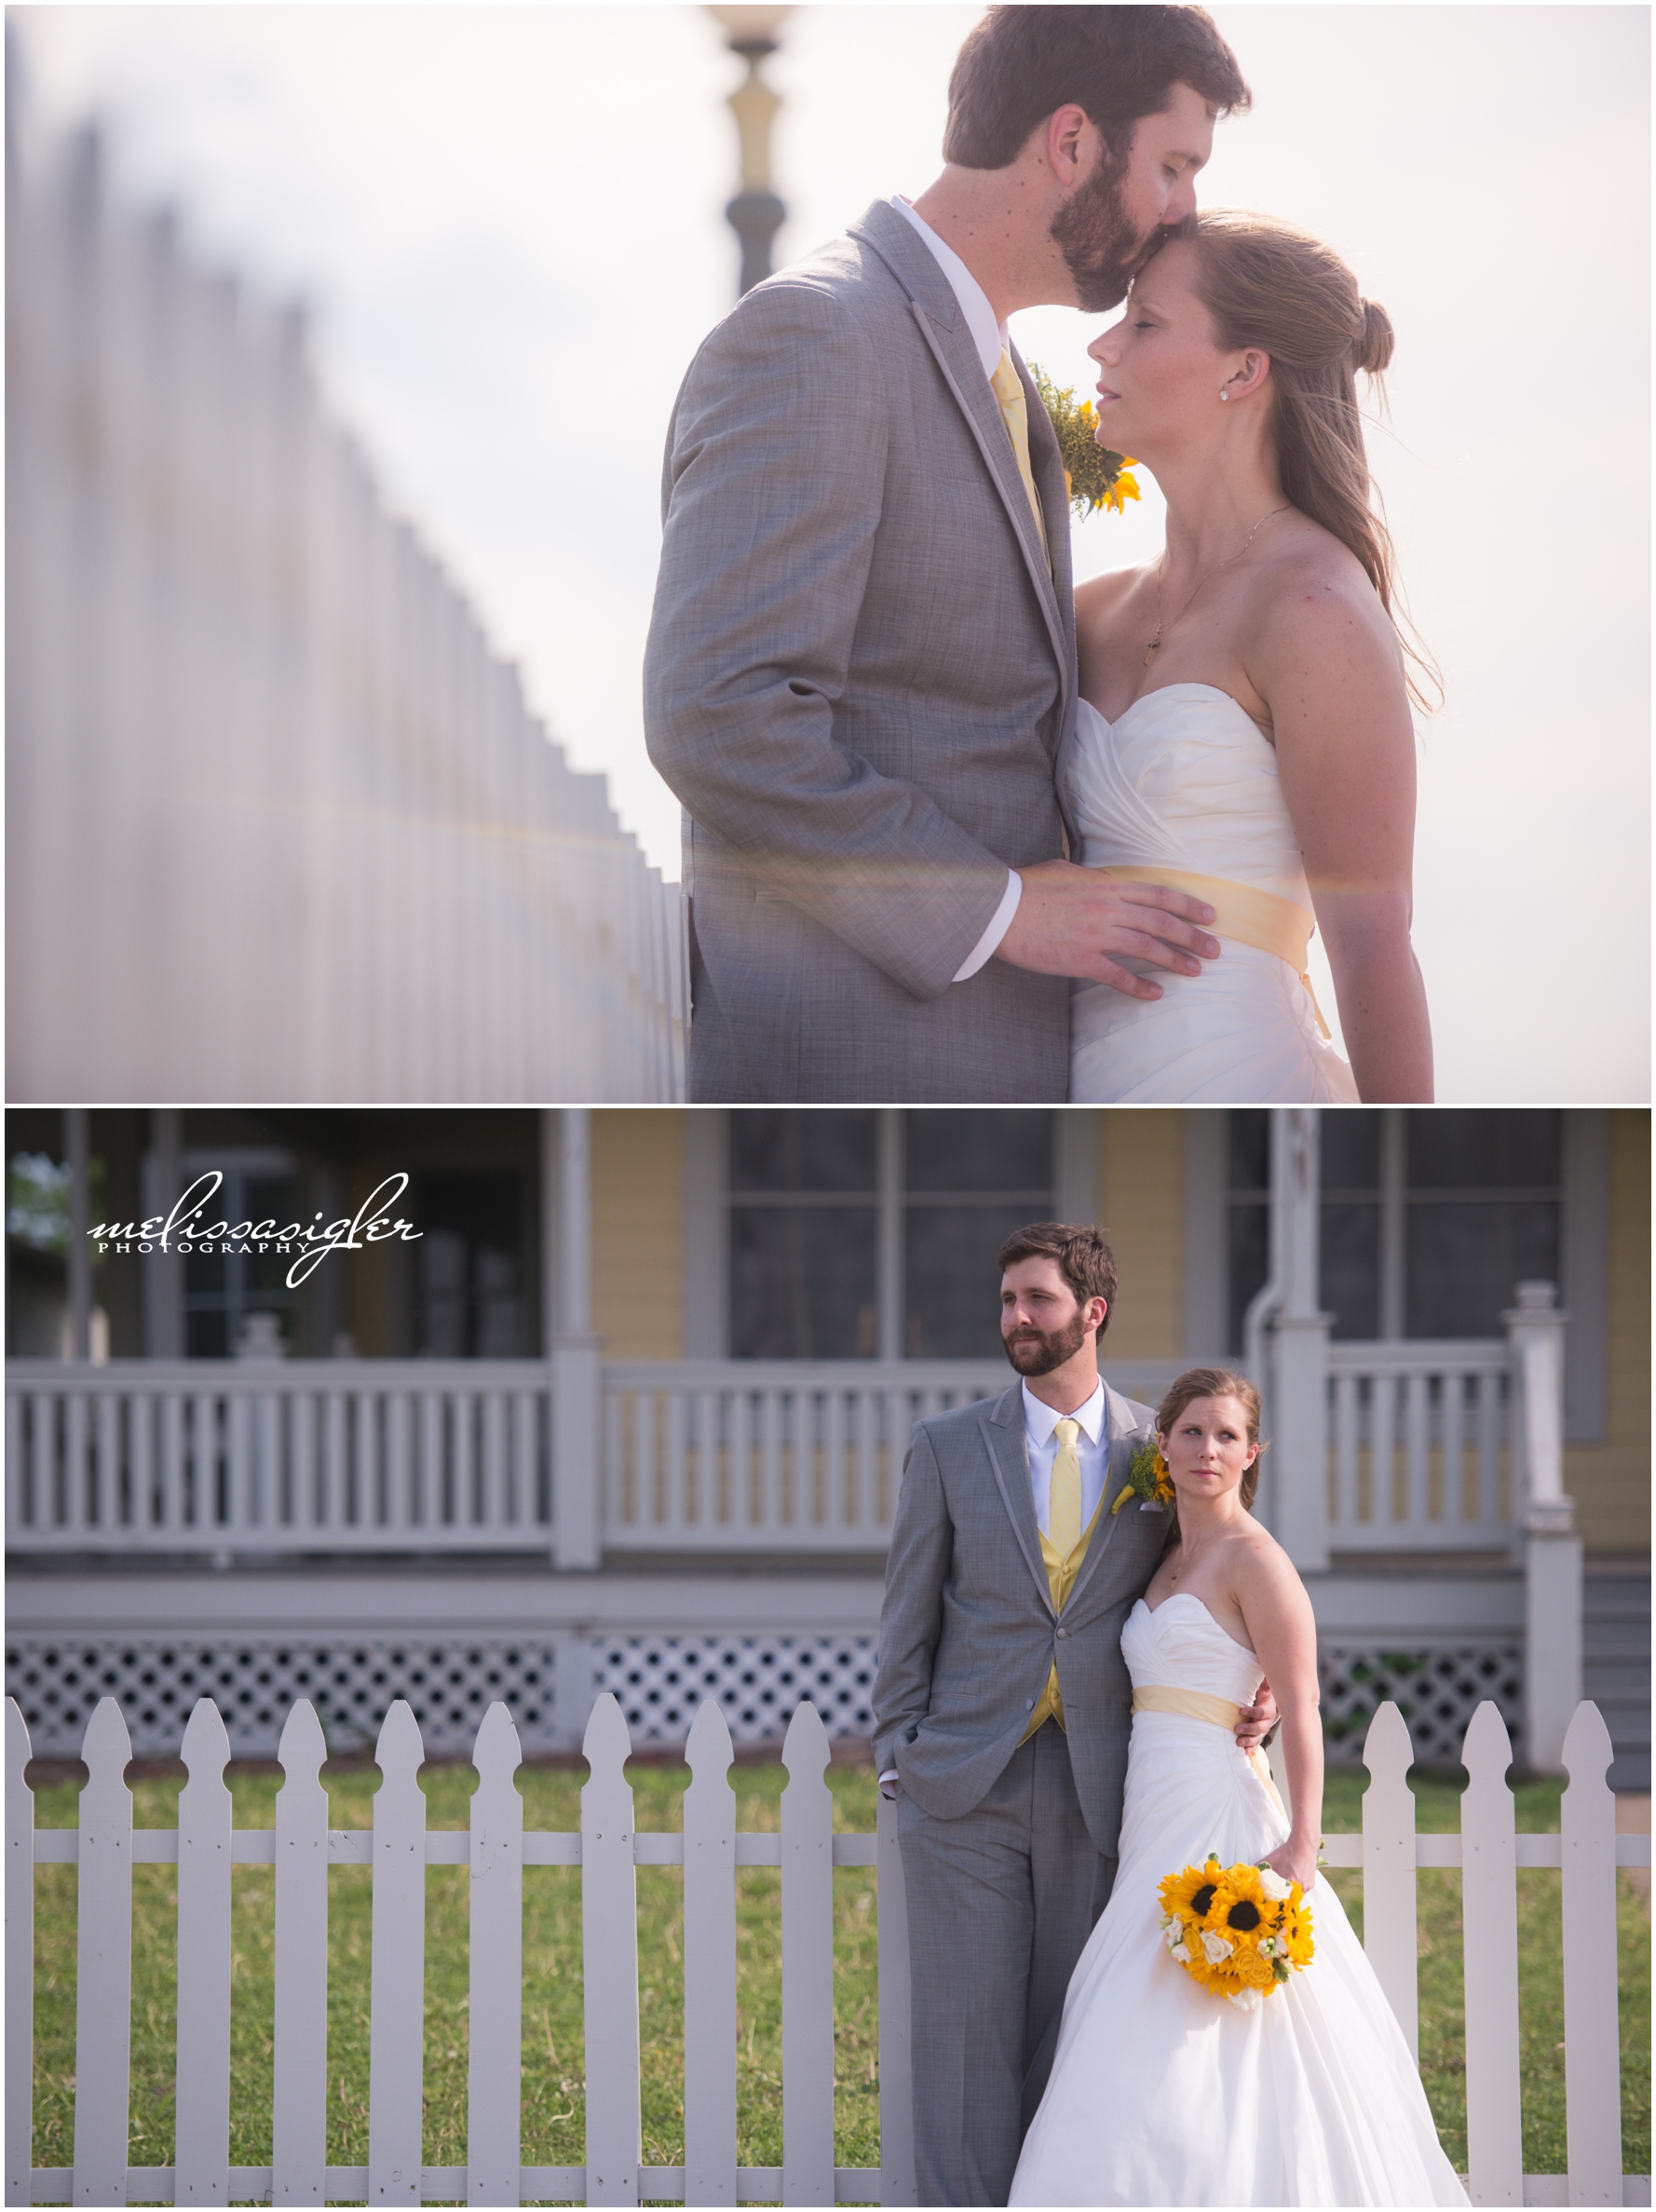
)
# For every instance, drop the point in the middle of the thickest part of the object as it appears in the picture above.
(1061, 1575)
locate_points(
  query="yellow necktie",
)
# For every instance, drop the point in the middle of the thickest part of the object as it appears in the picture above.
(1063, 1499)
(1014, 414)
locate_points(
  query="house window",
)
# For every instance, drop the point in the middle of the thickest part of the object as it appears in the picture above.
(863, 1235)
(470, 1268)
(224, 1290)
(1427, 1221)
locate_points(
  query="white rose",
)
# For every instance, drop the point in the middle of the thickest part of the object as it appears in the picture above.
(1244, 2000)
(1215, 1945)
(1181, 1951)
(1271, 1882)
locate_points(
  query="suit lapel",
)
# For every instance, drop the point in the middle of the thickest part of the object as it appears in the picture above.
(1119, 1429)
(1046, 462)
(941, 323)
(1008, 1456)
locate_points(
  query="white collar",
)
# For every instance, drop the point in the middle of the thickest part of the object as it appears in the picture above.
(1040, 1419)
(987, 335)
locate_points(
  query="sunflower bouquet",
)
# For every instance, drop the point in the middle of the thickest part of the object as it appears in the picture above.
(1093, 475)
(1147, 1480)
(1237, 1931)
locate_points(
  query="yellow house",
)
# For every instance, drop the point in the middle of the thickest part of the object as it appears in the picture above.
(626, 1406)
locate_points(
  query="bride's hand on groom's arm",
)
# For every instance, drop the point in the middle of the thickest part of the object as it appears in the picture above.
(1078, 921)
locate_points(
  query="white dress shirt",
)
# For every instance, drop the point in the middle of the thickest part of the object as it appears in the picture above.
(1091, 1449)
(989, 337)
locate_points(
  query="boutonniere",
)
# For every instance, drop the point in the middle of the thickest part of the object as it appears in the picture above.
(1093, 475)
(1149, 1480)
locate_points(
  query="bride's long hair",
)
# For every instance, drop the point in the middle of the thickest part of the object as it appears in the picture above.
(1268, 285)
(1216, 1382)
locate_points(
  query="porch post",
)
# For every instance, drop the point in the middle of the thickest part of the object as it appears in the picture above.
(164, 1271)
(1298, 1408)
(575, 1355)
(1552, 1545)
(79, 1269)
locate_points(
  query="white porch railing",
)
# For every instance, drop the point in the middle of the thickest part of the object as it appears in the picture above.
(1419, 1446)
(301, 1455)
(301, 1848)
(1425, 1449)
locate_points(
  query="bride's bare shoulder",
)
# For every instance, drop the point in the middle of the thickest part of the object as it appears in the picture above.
(1102, 596)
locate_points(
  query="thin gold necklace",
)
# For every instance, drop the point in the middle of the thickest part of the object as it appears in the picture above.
(1162, 627)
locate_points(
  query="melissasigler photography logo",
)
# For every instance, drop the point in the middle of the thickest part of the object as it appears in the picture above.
(186, 1230)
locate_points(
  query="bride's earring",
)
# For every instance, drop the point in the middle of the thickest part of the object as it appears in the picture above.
(1224, 391)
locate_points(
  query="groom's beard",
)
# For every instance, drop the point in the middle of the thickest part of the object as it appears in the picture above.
(1100, 247)
(1035, 1352)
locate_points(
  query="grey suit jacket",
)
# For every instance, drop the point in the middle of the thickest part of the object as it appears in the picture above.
(860, 679)
(968, 1633)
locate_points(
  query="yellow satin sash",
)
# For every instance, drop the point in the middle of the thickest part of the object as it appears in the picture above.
(1244, 912)
(1195, 1704)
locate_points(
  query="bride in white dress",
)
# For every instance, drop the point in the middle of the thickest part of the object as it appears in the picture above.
(1244, 734)
(1162, 2093)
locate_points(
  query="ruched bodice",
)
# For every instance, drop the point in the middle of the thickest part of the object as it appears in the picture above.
(1180, 1646)
(1185, 781)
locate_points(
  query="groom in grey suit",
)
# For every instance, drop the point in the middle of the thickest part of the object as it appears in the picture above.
(1002, 1704)
(860, 672)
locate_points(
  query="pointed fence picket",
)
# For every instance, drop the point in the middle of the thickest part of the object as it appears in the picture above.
(609, 1932)
(299, 2104)
(1489, 1919)
(104, 1962)
(710, 1850)
(202, 2126)
(496, 2009)
(710, 1964)
(397, 1971)
(1592, 2025)
(808, 1964)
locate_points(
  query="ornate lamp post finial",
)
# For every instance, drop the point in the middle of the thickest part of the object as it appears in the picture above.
(756, 215)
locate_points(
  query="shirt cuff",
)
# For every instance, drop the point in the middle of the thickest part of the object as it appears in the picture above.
(989, 942)
(890, 1775)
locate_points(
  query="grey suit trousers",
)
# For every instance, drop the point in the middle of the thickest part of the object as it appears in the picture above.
(1001, 1904)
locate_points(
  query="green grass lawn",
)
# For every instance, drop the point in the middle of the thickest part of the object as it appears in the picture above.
(552, 2107)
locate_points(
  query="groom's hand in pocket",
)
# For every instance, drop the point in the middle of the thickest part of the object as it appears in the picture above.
(1079, 921)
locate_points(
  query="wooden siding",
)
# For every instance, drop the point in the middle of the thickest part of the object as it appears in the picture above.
(1141, 1184)
(1611, 1482)
(638, 1233)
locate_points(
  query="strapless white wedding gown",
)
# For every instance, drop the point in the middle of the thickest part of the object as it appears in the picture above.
(1184, 779)
(1163, 2095)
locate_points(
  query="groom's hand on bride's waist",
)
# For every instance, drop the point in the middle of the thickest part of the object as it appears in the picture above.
(1256, 1722)
(1078, 921)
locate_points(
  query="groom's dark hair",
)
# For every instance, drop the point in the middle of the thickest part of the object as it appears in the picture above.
(1085, 1261)
(1118, 64)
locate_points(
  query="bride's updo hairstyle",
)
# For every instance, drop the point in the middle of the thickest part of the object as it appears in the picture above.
(1271, 286)
(1215, 1382)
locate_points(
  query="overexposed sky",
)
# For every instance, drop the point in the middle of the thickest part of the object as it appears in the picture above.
(510, 223)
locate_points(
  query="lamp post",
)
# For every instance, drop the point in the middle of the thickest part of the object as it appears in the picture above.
(756, 215)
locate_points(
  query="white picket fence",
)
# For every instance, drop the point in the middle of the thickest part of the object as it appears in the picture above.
(281, 823)
(205, 1845)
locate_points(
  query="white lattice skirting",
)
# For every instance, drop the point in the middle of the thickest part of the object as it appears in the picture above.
(1436, 1689)
(548, 1685)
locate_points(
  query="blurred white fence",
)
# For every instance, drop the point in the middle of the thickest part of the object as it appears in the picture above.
(399, 1847)
(280, 824)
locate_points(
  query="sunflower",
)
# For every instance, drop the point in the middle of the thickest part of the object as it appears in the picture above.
(1147, 1473)
(1093, 475)
(1189, 1894)
(1230, 1934)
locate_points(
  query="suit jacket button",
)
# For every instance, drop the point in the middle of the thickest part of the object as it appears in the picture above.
(1028, 1704)
(1062, 1633)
